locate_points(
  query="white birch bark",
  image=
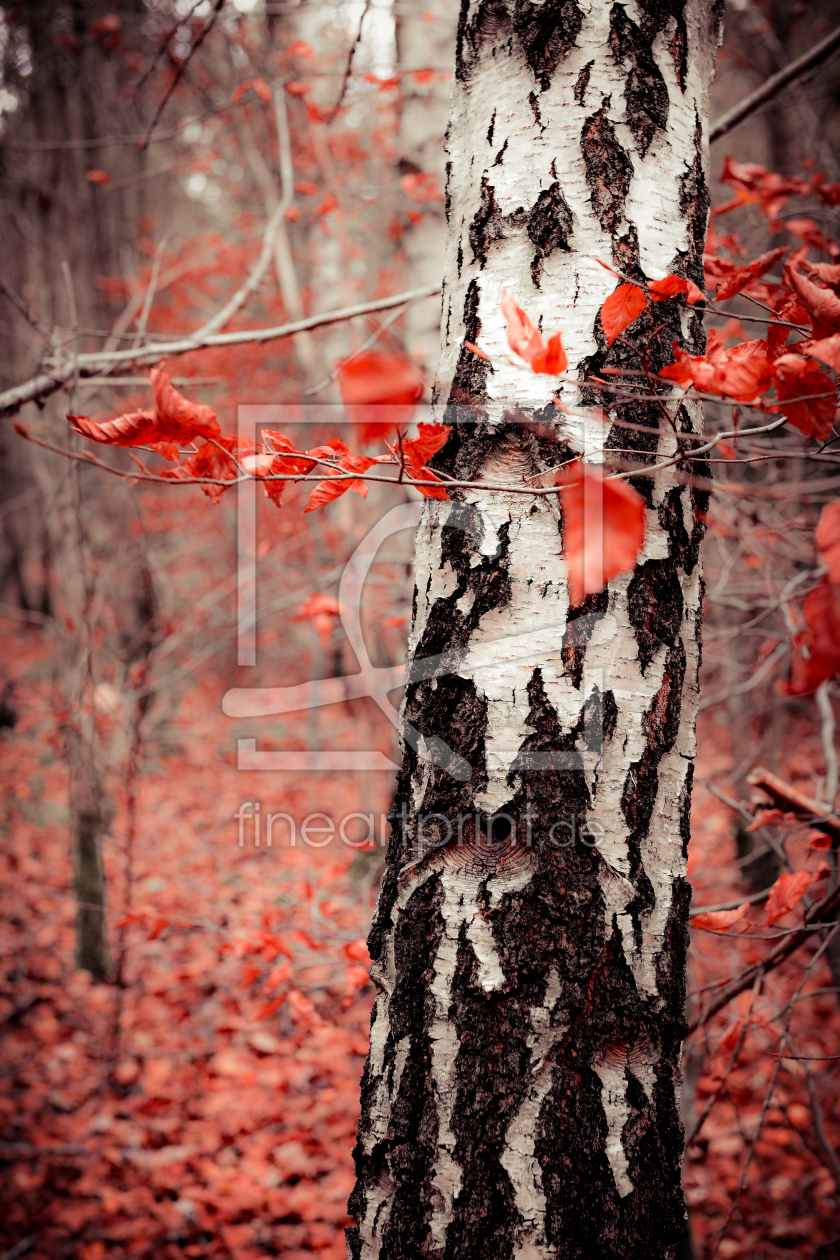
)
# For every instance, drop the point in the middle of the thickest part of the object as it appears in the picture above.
(522, 1093)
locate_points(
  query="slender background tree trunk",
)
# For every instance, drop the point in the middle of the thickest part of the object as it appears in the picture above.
(522, 1088)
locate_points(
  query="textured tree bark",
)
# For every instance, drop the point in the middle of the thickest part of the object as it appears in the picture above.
(522, 1088)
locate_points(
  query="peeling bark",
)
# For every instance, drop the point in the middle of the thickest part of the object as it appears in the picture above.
(521, 1097)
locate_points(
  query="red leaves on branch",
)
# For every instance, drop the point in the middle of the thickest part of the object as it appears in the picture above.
(799, 385)
(620, 310)
(720, 920)
(174, 419)
(675, 286)
(210, 461)
(376, 379)
(334, 485)
(628, 301)
(603, 527)
(741, 373)
(430, 439)
(526, 340)
(744, 275)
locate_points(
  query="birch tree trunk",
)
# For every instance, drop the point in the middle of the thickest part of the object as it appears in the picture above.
(521, 1093)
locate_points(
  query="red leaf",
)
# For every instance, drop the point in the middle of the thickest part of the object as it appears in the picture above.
(136, 428)
(763, 819)
(430, 492)
(98, 177)
(672, 286)
(744, 275)
(822, 305)
(827, 538)
(796, 378)
(209, 461)
(551, 361)
(826, 350)
(743, 372)
(263, 91)
(810, 666)
(740, 373)
(620, 310)
(430, 439)
(603, 527)
(357, 951)
(821, 609)
(377, 379)
(786, 894)
(267, 1009)
(333, 488)
(720, 920)
(296, 88)
(177, 417)
(526, 340)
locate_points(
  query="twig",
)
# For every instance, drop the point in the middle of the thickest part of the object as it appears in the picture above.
(179, 74)
(771, 960)
(692, 1137)
(245, 290)
(151, 289)
(740, 689)
(794, 802)
(814, 57)
(19, 303)
(328, 118)
(19, 1249)
(163, 46)
(819, 1129)
(829, 751)
(94, 364)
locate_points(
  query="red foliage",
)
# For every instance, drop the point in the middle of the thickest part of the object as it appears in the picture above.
(603, 527)
(526, 341)
(620, 310)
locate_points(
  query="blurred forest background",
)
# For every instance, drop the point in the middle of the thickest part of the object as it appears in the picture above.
(185, 1018)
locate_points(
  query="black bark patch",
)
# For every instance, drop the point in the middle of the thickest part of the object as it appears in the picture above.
(580, 624)
(490, 28)
(497, 161)
(695, 200)
(655, 607)
(583, 83)
(546, 34)
(491, 128)
(671, 520)
(535, 109)
(549, 227)
(645, 92)
(608, 168)
(685, 808)
(469, 384)
(489, 225)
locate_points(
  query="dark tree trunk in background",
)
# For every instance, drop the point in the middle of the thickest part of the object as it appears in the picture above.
(521, 1093)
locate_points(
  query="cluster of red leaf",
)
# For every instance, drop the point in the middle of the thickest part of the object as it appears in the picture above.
(627, 303)
(816, 654)
(380, 391)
